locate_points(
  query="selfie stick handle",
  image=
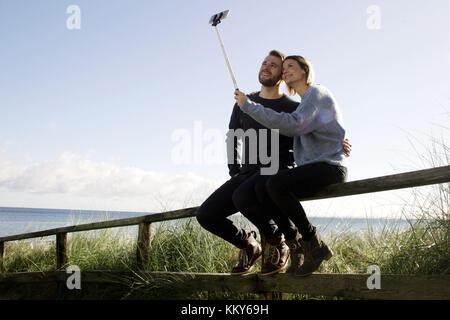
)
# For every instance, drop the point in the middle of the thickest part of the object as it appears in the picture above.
(226, 59)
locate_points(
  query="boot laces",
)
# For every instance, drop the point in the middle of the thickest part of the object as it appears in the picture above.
(293, 246)
(274, 254)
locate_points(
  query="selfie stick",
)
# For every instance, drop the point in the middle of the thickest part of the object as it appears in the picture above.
(215, 20)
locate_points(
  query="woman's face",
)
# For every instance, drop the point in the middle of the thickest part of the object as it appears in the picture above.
(292, 72)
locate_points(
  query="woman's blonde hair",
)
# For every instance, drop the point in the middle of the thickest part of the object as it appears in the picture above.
(307, 67)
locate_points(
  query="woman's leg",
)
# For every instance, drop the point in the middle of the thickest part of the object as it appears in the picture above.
(286, 187)
(285, 225)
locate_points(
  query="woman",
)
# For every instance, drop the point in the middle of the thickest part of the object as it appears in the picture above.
(317, 128)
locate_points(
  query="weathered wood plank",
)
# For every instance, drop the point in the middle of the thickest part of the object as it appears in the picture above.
(391, 182)
(354, 286)
(157, 217)
(143, 244)
(178, 280)
(343, 285)
(62, 258)
(76, 228)
(172, 215)
(223, 282)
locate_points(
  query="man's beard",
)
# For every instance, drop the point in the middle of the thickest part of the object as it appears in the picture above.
(271, 82)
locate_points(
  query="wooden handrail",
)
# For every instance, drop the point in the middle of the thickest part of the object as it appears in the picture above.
(157, 217)
(385, 183)
(392, 182)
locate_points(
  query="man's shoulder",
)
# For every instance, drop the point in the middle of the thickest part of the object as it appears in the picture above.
(283, 104)
(253, 95)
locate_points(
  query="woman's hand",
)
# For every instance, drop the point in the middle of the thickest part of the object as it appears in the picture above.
(347, 147)
(240, 98)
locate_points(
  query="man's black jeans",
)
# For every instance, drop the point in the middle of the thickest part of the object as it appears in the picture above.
(247, 194)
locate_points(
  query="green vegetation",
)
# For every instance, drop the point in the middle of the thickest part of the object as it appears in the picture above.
(423, 248)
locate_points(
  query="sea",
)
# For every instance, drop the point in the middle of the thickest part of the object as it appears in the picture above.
(14, 220)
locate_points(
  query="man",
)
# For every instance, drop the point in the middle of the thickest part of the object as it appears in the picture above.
(244, 192)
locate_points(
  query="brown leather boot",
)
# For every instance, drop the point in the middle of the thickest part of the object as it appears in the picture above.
(276, 256)
(314, 252)
(250, 253)
(296, 253)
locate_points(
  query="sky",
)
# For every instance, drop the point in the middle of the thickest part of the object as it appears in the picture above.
(96, 103)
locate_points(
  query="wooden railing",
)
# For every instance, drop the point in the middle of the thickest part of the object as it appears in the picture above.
(289, 283)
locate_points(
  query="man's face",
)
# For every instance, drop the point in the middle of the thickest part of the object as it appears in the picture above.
(270, 72)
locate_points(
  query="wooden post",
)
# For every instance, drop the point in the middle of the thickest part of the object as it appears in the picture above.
(143, 244)
(2, 251)
(61, 250)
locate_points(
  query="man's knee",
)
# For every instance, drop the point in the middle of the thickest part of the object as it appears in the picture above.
(204, 216)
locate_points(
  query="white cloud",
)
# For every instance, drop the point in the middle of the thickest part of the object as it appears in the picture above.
(73, 175)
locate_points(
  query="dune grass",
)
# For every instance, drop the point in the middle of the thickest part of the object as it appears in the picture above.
(423, 248)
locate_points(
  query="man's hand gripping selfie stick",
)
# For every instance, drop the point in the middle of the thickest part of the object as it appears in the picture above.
(215, 20)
